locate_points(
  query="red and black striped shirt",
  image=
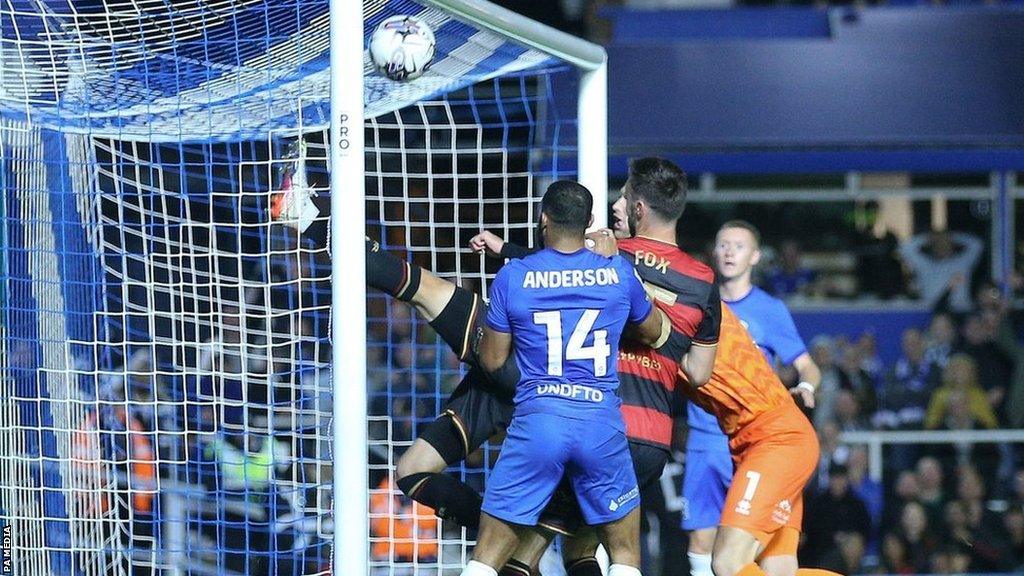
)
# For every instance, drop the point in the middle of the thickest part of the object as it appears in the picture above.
(685, 290)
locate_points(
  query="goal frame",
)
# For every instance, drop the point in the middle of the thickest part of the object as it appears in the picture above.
(350, 464)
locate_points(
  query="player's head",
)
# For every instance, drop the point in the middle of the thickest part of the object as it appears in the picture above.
(737, 249)
(565, 210)
(654, 192)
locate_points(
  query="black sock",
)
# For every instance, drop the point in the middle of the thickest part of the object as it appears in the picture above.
(515, 568)
(389, 274)
(456, 324)
(450, 498)
(583, 567)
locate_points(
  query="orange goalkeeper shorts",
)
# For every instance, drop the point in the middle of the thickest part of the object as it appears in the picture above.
(775, 456)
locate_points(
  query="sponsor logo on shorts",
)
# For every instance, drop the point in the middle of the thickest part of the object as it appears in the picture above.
(618, 502)
(743, 507)
(576, 391)
(783, 510)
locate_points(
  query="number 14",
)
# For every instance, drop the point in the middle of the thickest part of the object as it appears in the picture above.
(598, 352)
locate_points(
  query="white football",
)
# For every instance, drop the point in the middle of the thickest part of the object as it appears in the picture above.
(402, 47)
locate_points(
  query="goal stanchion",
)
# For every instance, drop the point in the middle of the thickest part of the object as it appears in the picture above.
(350, 491)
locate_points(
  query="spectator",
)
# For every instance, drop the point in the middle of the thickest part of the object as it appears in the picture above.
(833, 516)
(1006, 337)
(941, 340)
(908, 387)
(831, 451)
(951, 559)
(943, 260)
(870, 361)
(905, 490)
(879, 270)
(823, 354)
(917, 537)
(1013, 523)
(401, 530)
(847, 412)
(868, 490)
(850, 547)
(960, 403)
(1018, 490)
(994, 366)
(894, 555)
(984, 536)
(789, 277)
(930, 493)
(957, 530)
(856, 379)
(247, 462)
(907, 487)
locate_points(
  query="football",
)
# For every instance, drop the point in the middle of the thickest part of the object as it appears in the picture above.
(402, 47)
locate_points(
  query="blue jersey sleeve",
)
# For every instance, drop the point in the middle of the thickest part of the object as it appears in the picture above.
(497, 313)
(783, 336)
(639, 301)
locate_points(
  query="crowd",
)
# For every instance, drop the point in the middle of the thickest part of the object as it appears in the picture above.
(948, 508)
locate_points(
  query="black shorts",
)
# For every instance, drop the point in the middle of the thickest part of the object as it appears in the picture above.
(648, 462)
(563, 514)
(473, 414)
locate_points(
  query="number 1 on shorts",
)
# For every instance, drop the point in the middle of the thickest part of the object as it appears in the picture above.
(753, 478)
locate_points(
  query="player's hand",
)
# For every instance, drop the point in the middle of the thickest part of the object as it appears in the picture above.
(603, 242)
(487, 242)
(803, 396)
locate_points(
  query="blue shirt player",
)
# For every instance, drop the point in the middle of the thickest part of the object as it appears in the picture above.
(709, 467)
(563, 311)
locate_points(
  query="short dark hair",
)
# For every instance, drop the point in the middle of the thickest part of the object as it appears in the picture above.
(568, 205)
(660, 183)
(737, 223)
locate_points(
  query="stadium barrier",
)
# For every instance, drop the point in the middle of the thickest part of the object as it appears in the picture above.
(877, 440)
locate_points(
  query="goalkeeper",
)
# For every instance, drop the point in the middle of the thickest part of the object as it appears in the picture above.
(653, 201)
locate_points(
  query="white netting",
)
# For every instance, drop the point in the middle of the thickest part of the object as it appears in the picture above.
(165, 396)
(438, 173)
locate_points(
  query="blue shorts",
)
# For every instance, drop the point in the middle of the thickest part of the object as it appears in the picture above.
(706, 480)
(540, 448)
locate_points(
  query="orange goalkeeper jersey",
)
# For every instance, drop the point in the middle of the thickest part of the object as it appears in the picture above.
(743, 385)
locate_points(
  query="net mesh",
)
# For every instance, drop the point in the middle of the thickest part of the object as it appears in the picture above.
(440, 172)
(166, 397)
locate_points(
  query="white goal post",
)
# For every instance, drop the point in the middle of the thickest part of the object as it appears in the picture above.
(350, 504)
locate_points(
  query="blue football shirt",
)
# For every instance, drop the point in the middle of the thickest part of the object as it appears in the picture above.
(771, 326)
(566, 314)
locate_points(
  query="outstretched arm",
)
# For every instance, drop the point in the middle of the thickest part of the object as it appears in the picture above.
(496, 247)
(600, 241)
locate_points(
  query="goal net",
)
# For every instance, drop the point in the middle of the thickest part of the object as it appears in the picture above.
(165, 394)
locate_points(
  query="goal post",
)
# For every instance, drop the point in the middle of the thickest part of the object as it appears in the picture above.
(347, 226)
(348, 307)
